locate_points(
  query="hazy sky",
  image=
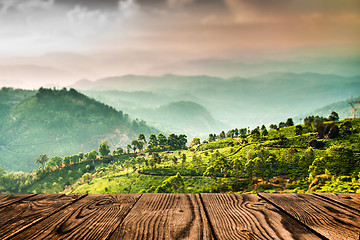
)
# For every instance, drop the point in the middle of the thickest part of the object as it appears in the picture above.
(93, 38)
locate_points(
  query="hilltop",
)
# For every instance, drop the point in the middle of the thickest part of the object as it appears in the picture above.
(58, 122)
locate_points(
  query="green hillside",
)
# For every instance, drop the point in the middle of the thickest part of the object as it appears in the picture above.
(321, 155)
(59, 122)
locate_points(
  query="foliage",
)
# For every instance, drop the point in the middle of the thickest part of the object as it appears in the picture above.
(281, 161)
(104, 148)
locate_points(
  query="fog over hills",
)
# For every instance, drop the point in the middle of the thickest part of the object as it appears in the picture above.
(236, 102)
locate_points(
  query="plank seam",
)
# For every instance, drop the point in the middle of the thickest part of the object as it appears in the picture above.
(297, 220)
(335, 201)
(30, 195)
(122, 220)
(41, 219)
(208, 218)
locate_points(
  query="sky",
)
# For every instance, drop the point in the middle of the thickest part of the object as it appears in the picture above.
(62, 41)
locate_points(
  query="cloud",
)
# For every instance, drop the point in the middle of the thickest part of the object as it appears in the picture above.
(128, 7)
(24, 5)
(81, 14)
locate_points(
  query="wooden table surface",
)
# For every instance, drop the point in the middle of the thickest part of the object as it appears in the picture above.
(334, 216)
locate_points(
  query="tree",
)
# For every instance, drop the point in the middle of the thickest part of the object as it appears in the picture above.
(222, 135)
(128, 148)
(211, 137)
(333, 116)
(282, 125)
(57, 161)
(42, 159)
(263, 128)
(162, 141)
(182, 141)
(135, 144)
(341, 160)
(104, 148)
(118, 151)
(273, 127)
(153, 142)
(264, 132)
(230, 134)
(140, 145)
(289, 122)
(67, 160)
(236, 132)
(75, 158)
(141, 137)
(195, 141)
(298, 129)
(173, 141)
(242, 132)
(333, 132)
(255, 133)
(90, 155)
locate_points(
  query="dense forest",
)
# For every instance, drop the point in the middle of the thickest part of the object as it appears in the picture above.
(323, 154)
(58, 122)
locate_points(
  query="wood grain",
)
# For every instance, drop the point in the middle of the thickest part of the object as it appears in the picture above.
(332, 221)
(165, 216)
(247, 216)
(351, 200)
(17, 217)
(93, 217)
(6, 200)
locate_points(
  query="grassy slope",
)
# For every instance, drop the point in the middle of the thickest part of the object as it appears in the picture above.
(113, 178)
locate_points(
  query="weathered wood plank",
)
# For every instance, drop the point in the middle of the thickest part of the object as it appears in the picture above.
(351, 200)
(247, 216)
(19, 216)
(93, 217)
(6, 200)
(165, 216)
(332, 221)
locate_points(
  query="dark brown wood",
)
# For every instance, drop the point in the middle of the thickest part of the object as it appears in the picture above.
(332, 221)
(16, 217)
(93, 217)
(351, 200)
(165, 216)
(247, 216)
(6, 200)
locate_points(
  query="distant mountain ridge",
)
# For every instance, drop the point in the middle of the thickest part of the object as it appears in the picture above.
(182, 116)
(237, 101)
(342, 108)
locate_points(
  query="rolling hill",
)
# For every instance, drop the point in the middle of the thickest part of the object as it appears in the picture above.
(59, 122)
(181, 117)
